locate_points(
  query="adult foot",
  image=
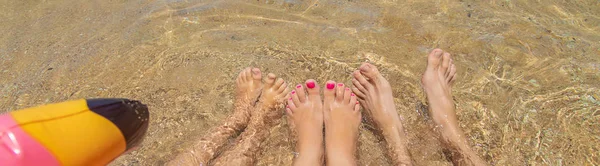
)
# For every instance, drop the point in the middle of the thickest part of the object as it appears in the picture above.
(437, 82)
(305, 116)
(375, 95)
(342, 119)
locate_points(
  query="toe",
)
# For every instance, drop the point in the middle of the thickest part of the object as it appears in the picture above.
(248, 74)
(347, 94)
(339, 92)
(445, 63)
(270, 80)
(451, 73)
(358, 85)
(256, 74)
(370, 71)
(312, 87)
(329, 92)
(358, 93)
(353, 99)
(291, 105)
(288, 111)
(434, 59)
(244, 74)
(295, 97)
(278, 83)
(362, 80)
(449, 68)
(282, 88)
(301, 93)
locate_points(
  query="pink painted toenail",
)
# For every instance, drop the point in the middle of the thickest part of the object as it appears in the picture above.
(330, 85)
(290, 98)
(352, 94)
(340, 84)
(298, 86)
(356, 102)
(347, 88)
(310, 84)
(293, 92)
(287, 106)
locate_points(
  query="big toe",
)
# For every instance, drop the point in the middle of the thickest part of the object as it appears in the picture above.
(270, 80)
(445, 63)
(434, 59)
(370, 71)
(256, 74)
(329, 92)
(312, 87)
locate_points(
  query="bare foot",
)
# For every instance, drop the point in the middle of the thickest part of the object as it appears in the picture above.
(266, 114)
(305, 115)
(342, 119)
(437, 82)
(249, 85)
(248, 89)
(273, 96)
(375, 95)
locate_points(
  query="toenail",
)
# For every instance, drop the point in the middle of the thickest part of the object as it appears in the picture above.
(356, 102)
(298, 86)
(287, 106)
(330, 85)
(310, 84)
(340, 84)
(352, 94)
(293, 92)
(347, 88)
(290, 98)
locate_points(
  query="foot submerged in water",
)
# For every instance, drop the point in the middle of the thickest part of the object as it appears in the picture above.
(342, 120)
(264, 116)
(375, 95)
(305, 116)
(272, 97)
(437, 83)
(249, 86)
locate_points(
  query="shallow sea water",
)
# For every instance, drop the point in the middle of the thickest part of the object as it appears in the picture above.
(528, 90)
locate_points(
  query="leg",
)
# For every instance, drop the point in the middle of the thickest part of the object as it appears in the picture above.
(248, 89)
(305, 115)
(375, 95)
(264, 117)
(437, 83)
(342, 119)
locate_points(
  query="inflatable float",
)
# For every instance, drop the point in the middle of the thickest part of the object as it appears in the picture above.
(79, 132)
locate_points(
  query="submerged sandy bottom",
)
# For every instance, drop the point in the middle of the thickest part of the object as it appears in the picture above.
(527, 90)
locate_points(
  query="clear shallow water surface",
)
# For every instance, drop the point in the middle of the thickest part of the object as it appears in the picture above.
(527, 90)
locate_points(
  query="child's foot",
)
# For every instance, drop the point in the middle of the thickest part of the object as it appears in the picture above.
(375, 95)
(305, 115)
(264, 116)
(342, 119)
(272, 97)
(249, 85)
(437, 82)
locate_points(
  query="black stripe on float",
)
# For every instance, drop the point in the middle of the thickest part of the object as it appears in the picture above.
(130, 116)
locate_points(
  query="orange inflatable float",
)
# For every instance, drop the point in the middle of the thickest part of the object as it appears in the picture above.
(79, 132)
